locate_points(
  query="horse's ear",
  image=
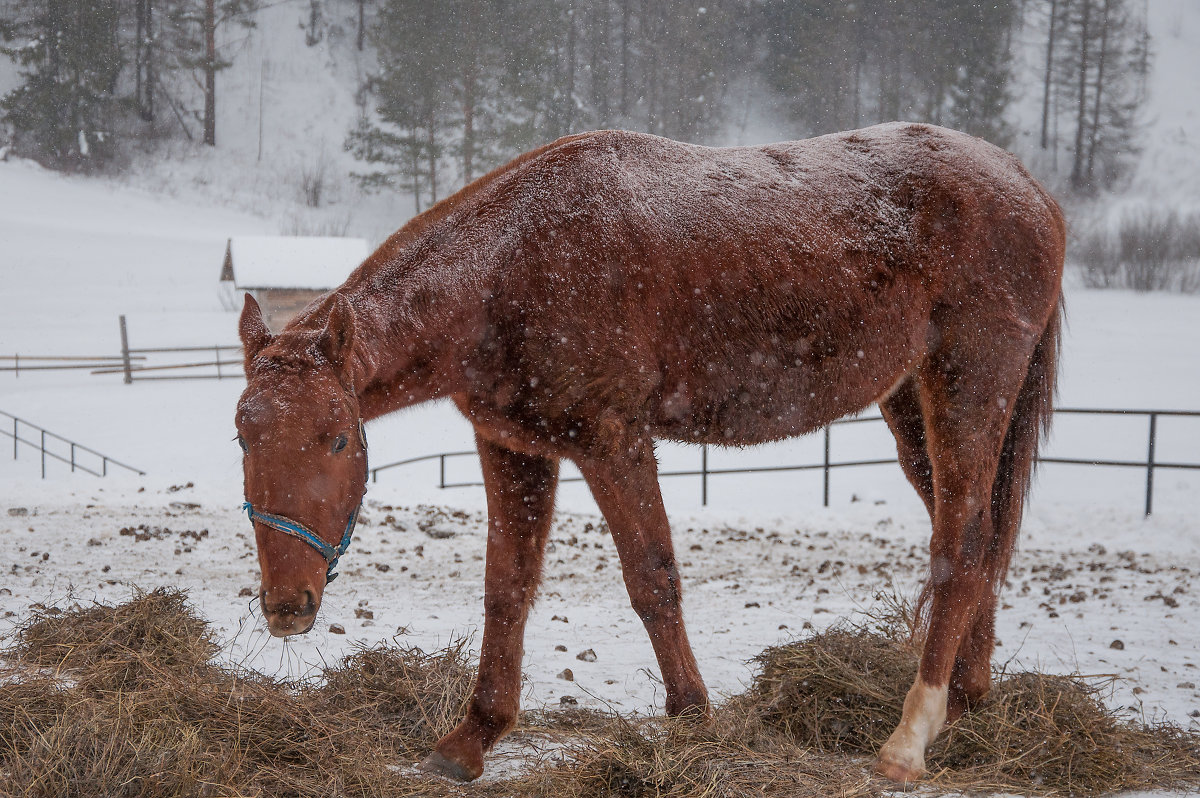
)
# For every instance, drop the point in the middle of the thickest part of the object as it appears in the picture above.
(337, 339)
(252, 329)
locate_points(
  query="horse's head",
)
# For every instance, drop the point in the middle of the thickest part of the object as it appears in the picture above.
(305, 460)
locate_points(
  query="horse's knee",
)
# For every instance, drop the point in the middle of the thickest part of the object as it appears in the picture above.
(656, 590)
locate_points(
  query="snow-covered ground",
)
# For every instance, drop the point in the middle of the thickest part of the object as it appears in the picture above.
(762, 562)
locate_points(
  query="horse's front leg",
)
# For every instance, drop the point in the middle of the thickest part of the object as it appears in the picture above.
(520, 493)
(625, 486)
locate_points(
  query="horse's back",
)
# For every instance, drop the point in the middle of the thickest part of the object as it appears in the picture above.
(749, 293)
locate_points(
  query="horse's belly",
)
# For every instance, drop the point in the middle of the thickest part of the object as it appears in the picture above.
(763, 398)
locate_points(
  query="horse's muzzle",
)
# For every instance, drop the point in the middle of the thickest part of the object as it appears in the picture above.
(289, 612)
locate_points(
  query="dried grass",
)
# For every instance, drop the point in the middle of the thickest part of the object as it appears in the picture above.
(843, 691)
(125, 701)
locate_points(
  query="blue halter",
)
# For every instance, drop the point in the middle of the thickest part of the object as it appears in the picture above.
(299, 531)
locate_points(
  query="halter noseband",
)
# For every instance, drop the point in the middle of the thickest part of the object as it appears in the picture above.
(299, 531)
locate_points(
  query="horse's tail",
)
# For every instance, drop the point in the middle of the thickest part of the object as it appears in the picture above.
(1030, 421)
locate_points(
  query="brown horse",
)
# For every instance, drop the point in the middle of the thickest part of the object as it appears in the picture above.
(613, 288)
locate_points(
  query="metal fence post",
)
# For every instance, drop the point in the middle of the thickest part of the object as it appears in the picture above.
(703, 475)
(15, 439)
(16, 364)
(43, 454)
(1150, 462)
(72, 457)
(217, 352)
(125, 352)
(826, 463)
(442, 471)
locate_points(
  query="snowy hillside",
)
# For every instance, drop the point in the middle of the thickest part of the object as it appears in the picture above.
(284, 110)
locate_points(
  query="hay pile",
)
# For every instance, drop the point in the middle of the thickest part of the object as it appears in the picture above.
(843, 691)
(665, 758)
(126, 701)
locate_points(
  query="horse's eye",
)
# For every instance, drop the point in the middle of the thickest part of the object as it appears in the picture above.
(242, 442)
(339, 443)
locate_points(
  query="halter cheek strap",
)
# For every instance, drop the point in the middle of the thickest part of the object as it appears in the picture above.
(299, 531)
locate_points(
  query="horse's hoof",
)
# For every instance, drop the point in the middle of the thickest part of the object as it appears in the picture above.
(900, 772)
(440, 765)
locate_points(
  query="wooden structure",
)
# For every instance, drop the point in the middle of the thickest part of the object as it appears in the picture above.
(285, 273)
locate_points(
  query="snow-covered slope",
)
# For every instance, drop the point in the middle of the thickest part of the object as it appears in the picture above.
(285, 108)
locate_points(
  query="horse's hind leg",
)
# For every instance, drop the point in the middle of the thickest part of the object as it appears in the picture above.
(902, 411)
(625, 486)
(967, 395)
(971, 676)
(520, 493)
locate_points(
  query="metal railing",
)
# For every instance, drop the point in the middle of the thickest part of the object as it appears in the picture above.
(827, 465)
(20, 425)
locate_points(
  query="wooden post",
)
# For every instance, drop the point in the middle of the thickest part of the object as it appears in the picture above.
(125, 352)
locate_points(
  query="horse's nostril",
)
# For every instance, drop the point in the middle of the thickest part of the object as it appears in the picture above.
(310, 604)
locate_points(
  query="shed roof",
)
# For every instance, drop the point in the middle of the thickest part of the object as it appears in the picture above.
(319, 263)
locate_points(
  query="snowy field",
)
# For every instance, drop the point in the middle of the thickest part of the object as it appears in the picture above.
(761, 563)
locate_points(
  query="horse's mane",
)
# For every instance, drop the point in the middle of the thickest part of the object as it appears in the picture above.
(420, 223)
(388, 252)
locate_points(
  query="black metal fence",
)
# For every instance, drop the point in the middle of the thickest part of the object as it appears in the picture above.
(52, 446)
(827, 464)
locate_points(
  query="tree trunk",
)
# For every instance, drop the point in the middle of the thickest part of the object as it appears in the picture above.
(151, 61)
(415, 167)
(139, 43)
(360, 39)
(1049, 70)
(1091, 158)
(210, 73)
(1077, 177)
(468, 109)
(625, 58)
(570, 99)
(431, 142)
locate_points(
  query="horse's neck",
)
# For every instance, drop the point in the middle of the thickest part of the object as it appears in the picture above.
(412, 340)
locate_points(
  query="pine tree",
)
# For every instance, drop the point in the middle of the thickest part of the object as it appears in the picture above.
(407, 140)
(842, 65)
(68, 111)
(1101, 62)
